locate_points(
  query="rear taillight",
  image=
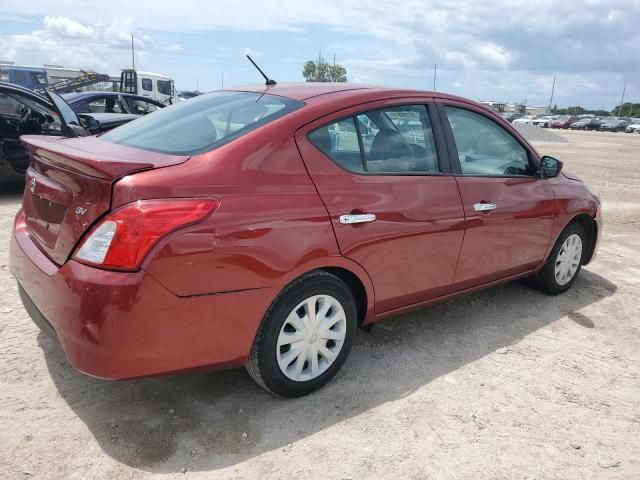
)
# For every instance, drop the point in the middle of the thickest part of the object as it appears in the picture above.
(123, 238)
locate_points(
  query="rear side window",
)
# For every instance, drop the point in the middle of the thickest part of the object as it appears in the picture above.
(394, 140)
(147, 84)
(339, 141)
(203, 123)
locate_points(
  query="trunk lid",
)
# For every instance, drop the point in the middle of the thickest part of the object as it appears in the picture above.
(69, 184)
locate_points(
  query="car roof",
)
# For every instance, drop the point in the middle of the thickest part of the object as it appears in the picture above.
(24, 90)
(305, 90)
(75, 96)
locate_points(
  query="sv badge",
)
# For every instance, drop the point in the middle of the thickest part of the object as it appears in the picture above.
(80, 211)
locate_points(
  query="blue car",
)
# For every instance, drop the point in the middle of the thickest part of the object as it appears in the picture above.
(110, 102)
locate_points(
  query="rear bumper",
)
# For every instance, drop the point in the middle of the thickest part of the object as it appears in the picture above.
(117, 325)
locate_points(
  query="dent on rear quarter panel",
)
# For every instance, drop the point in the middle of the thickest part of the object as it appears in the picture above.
(270, 221)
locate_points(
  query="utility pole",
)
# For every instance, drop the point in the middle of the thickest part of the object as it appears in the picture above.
(553, 87)
(222, 80)
(133, 55)
(435, 73)
(622, 99)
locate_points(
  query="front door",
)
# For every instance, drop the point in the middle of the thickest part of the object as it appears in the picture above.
(23, 113)
(509, 209)
(394, 206)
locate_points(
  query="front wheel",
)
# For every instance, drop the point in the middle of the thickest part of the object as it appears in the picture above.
(305, 336)
(564, 262)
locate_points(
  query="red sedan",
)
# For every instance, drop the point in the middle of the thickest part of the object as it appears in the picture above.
(262, 226)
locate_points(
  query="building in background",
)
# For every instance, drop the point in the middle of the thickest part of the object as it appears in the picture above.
(504, 107)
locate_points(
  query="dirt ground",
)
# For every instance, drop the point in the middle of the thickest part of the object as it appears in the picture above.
(503, 384)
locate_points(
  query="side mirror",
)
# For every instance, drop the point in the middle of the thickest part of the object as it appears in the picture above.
(549, 167)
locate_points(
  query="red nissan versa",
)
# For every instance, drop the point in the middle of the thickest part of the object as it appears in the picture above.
(262, 226)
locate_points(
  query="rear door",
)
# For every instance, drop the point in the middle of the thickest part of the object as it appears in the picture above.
(23, 113)
(386, 183)
(509, 209)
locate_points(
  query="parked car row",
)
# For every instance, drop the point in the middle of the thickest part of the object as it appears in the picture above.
(606, 124)
(583, 122)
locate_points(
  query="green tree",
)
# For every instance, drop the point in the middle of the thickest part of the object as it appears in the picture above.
(321, 71)
(627, 109)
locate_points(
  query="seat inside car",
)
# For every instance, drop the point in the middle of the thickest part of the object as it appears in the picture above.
(390, 152)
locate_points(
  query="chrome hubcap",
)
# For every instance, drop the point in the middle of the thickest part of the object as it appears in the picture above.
(568, 259)
(311, 338)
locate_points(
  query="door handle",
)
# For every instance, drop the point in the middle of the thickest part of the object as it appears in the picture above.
(484, 206)
(357, 218)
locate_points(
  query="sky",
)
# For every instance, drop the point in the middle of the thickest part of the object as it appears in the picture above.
(491, 49)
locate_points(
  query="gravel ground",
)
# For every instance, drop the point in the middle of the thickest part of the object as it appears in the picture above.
(533, 133)
(506, 383)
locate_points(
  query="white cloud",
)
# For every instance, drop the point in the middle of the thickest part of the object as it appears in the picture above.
(176, 48)
(384, 42)
(102, 46)
(65, 27)
(251, 53)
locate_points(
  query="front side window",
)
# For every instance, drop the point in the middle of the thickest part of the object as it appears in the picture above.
(142, 107)
(110, 104)
(203, 123)
(13, 106)
(147, 84)
(388, 140)
(484, 147)
(164, 87)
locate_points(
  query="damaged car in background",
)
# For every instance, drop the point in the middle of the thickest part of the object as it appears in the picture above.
(24, 112)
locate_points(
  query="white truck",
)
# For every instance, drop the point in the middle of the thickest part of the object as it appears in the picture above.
(155, 86)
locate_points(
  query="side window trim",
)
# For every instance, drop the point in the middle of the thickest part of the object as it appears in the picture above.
(439, 137)
(360, 145)
(444, 166)
(453, 149)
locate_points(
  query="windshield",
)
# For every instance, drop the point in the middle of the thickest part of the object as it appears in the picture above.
(203, 123)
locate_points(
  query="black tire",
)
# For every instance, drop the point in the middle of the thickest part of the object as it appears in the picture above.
(545, 279)
(262, 363)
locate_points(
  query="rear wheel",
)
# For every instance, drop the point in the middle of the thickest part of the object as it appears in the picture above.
(305, 336)
(564, 262)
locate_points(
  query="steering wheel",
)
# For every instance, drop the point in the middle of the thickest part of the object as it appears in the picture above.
(513, 171)
(25, 115)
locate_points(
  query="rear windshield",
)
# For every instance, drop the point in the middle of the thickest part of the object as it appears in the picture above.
(203, 123)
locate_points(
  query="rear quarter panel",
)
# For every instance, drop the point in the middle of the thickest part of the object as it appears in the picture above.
(271, 225)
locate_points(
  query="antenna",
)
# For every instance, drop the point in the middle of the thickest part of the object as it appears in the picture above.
(268, 81)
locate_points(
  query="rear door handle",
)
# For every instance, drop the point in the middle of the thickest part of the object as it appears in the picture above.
(357, 218)
(484, 206)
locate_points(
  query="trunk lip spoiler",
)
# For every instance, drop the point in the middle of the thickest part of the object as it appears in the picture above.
(63, 153)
